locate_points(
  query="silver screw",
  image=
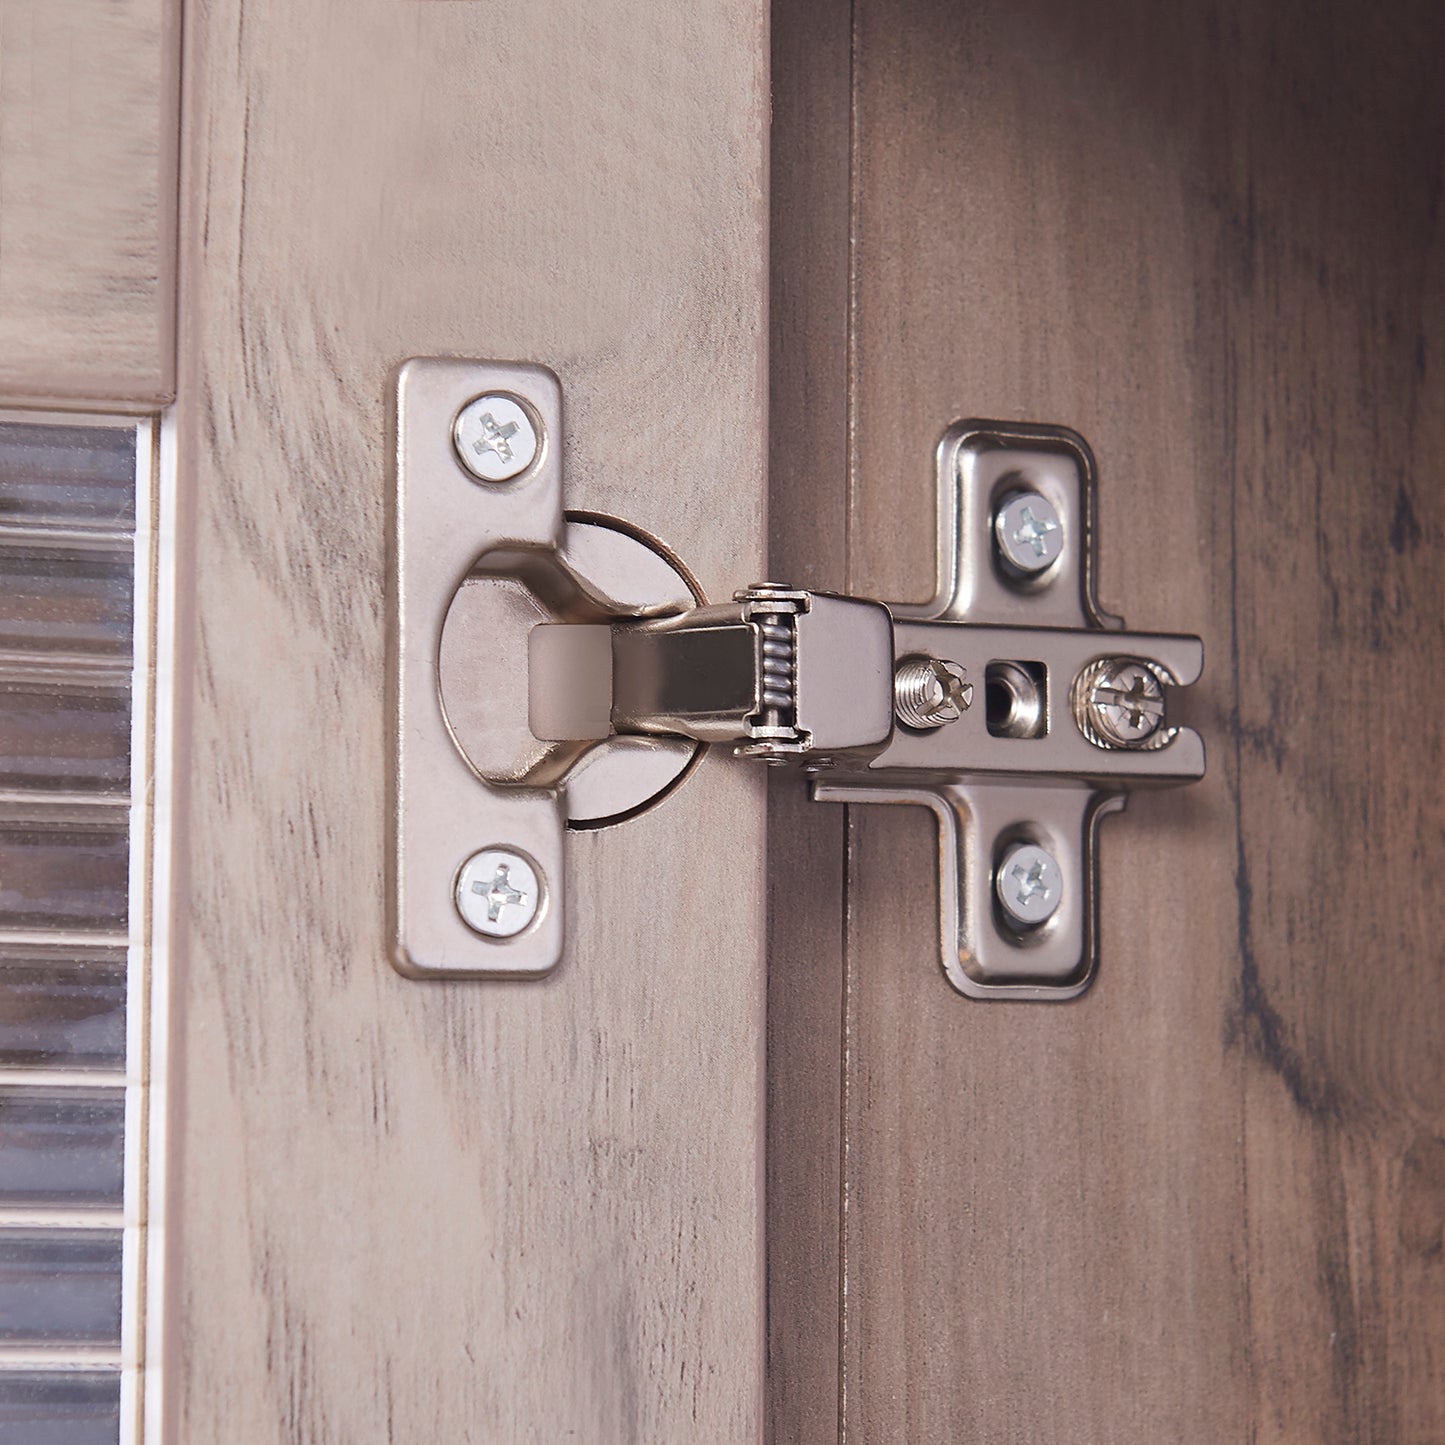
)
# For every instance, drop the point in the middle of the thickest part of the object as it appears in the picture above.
(1028, 532)
(1029, 884)
(930, 691)
(1125, 703)
(498, 892)
(495, 437)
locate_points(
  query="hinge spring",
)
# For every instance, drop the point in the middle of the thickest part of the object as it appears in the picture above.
(778, 651)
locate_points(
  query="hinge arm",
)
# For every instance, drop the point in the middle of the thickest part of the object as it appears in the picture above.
(835, 683)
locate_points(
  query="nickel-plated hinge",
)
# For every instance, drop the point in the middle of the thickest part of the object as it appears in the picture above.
(1008, 704)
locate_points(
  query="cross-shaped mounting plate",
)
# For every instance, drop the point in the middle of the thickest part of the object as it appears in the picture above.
(994, 782)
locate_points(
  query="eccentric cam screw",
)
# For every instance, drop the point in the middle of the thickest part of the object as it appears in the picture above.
(1125, 703)
(929, 691)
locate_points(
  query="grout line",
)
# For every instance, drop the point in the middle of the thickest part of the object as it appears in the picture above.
(50, 535)
(42, 807)
(69, 670)
(13, 1078)
(42, 1217)
(63, 940)
(59, 1358)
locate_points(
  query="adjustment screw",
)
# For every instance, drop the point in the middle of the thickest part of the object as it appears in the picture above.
(1029, 885)
(1124, 703)
(1028, 532)
(929, 691)
(495, 437)
(498, 892)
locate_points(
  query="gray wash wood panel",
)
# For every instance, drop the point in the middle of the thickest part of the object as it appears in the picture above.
(88, 131)
(431, 1211)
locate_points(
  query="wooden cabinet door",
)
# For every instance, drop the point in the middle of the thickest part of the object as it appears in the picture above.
(457, 1211)
(1204, 1202)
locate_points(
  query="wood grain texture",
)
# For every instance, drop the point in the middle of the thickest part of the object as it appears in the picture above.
(1205, 1202)
(808, 518)
(88, 124)
(471, 1212)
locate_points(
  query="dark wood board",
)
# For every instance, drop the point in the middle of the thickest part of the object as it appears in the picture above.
(807, 536)
(1205, 1202)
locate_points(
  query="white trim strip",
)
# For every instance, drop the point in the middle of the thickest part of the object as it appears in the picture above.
(161, 518)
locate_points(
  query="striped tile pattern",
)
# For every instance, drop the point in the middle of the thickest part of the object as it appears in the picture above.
(74, 671)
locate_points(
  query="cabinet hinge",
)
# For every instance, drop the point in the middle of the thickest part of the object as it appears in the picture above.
(559, 671)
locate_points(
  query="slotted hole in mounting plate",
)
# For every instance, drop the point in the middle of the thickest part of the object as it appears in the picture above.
(1016, 699)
